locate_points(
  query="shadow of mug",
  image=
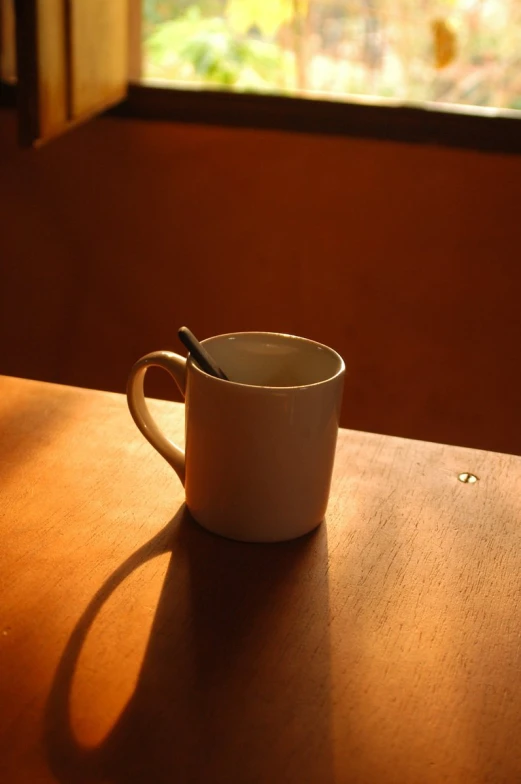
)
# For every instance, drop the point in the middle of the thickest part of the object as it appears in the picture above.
(235, 681)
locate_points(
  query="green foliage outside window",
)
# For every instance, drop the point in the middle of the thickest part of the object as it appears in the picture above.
(454, 51)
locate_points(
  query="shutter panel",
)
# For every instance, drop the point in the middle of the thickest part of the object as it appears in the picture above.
(72, 62)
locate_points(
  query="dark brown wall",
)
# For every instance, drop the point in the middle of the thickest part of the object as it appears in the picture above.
(405, 259)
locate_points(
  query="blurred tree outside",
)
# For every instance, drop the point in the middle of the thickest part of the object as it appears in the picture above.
(452, 51)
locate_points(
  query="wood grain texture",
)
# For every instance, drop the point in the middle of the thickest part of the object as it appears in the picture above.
(42, 70)
(52, 67)
(99, 54)
(7, 41)
(394, 303)
(135, 36)
(136, 647)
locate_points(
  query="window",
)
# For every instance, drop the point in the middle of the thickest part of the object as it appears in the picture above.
(441, 71)
(464, 52)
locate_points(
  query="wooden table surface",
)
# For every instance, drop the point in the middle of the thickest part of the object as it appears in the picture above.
(136, 647)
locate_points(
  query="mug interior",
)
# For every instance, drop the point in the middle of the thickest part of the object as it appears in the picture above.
(269, 359)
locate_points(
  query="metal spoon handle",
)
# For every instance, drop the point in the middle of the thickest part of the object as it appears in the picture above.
(200, 354)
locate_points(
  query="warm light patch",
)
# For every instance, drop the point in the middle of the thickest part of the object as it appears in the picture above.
(110, 660)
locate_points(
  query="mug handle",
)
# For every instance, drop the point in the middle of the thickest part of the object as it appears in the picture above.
(176, 366)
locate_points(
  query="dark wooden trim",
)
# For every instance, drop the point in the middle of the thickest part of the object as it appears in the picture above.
(8, 95)
(501, 133)
(402, 124)
(27, 70)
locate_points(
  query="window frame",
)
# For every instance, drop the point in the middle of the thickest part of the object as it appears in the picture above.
(462, 127)
(402, 124)
(492, 131)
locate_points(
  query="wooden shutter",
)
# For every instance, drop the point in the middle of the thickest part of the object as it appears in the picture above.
(7, 38)
(72, 62)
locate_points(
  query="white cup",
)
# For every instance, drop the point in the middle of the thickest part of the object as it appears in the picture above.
(259, 448)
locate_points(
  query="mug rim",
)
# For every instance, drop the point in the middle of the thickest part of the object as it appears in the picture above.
(193, 365)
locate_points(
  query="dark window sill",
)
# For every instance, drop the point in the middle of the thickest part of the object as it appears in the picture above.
(488, 131)
(501, 133)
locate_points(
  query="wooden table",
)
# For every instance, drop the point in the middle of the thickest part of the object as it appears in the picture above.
(136, 647)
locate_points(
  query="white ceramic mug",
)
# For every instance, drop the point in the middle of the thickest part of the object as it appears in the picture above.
(260, 447)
